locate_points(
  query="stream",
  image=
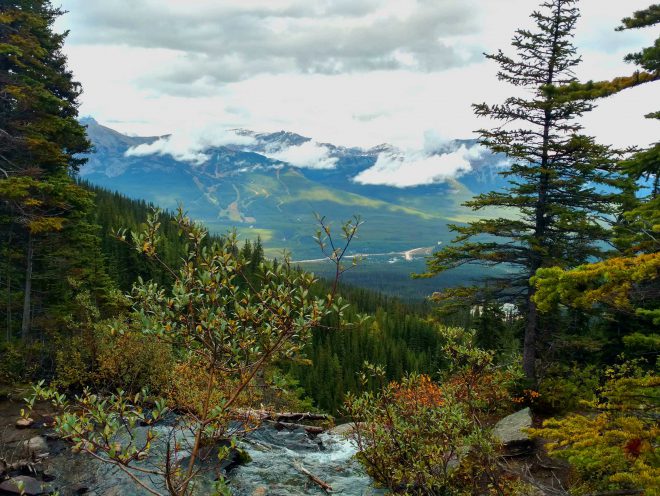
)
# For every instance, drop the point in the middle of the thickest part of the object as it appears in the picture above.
(274, 469)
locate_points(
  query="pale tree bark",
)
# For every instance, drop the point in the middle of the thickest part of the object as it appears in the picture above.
(26, 323)
(8, 307)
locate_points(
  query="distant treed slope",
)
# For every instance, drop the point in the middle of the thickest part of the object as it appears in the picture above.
(241, 187)
(397, 334)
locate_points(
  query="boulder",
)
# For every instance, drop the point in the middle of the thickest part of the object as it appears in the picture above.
(342, 429)
(30, 486)
(511, 431)
(24, 423)
(36, 445)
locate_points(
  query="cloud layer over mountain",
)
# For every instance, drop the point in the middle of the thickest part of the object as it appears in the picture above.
(190, 146)
(357, 72)
(309, 155)
(417, 168)
(436, 162)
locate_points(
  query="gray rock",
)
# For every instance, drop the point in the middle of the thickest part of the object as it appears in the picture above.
(31, 486)
(511, 430)
(36, 445)
(342, 429)
(24, 423)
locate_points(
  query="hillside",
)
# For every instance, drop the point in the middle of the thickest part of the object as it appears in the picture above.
(245, 187)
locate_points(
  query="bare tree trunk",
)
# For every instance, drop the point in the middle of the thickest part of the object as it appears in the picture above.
(8, 301)
(541, 220)
(27, 298)
(529, 343)
(8, 256)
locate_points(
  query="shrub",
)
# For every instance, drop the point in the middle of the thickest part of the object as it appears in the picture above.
(227, 327)
(420, 437)
(107, 361)
(613, 447)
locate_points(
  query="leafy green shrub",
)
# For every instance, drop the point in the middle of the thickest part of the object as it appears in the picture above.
(20, 361)
(226, 328)
(420, 437)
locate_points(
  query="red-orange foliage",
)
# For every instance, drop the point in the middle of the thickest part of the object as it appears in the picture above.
(422, 393)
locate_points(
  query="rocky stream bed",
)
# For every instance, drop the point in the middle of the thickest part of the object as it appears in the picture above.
(278, 461)
(281, 462)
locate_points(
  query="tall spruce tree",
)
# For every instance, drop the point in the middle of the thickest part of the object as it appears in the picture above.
(626, 287)
(40, 142)
(562, 185)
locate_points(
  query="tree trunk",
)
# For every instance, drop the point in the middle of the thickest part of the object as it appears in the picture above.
(9, 326)
(9, 316)
(529, 343)
(27, 298)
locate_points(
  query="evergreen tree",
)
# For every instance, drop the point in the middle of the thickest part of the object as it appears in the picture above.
(626, 286)
(562, 184)
(40, 142)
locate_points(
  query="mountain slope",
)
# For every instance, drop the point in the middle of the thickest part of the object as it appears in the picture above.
(243, 187)
(254, 189)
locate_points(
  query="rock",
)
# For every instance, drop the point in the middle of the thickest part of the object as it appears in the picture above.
(31, 486)
(36, 445)
(260, 491)
(24, 423)
(511, 430)
(342, 429)
(457, 458)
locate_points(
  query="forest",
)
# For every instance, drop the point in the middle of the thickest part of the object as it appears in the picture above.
(119, 316)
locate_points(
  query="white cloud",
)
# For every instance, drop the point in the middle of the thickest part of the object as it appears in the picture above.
(355, 72)
(419, 168)
(190, 146)
(434, 142)
(236, 39)
(308, 155)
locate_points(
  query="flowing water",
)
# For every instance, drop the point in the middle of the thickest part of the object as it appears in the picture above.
(277, 456)
(275, 469)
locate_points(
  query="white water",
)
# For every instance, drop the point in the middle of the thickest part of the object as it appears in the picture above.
(276, 456)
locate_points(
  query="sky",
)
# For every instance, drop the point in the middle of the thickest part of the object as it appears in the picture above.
(349, 72)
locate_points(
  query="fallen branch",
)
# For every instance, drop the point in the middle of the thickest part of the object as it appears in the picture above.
(19, 465)
(525, 474)
(310, 429)
(322, 484)
(281, 417)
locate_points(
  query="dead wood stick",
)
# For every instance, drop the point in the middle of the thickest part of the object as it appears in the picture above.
(622, 492)
(311, 429)
(281, 416)
(322, 484)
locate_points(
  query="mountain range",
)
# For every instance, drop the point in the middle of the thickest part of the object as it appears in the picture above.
(270, 185)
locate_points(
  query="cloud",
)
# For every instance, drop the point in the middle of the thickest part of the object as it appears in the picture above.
(434, 142)
(355, 72)
(190, 146)
(233, 40)
(308, 155)
(419, 168)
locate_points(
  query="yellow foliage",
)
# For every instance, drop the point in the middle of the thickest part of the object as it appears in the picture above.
(616, 447)
(609, 282)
